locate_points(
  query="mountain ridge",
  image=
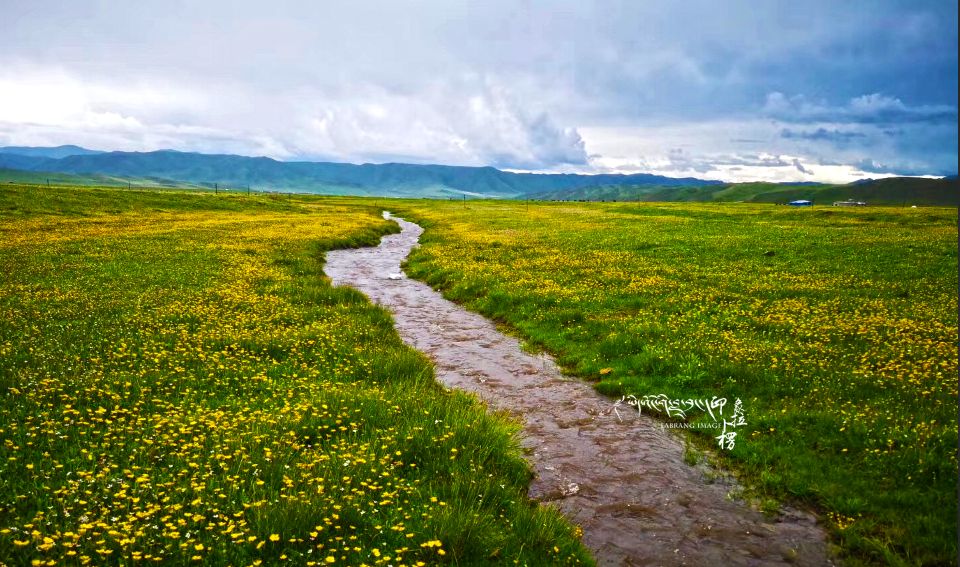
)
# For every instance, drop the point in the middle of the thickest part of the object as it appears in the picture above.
(400, 179)
(189, 169)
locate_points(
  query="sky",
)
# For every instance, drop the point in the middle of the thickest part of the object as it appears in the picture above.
(748, 90)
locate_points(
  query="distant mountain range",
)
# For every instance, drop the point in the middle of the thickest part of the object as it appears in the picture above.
(76, 165)
(55, 152)
(389, 179)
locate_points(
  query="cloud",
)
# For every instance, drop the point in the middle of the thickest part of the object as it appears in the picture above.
(822, 134)
(703, 149)
(870, 165)
(566, 86)
(741, 167)
(872, 108)
(869, 129)
(797, 164)
(681, 161)
(470, 121)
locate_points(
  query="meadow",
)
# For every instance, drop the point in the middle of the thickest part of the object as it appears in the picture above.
(835, 327)
(180, 384)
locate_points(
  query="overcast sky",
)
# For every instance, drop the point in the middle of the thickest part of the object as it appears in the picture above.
(753, 90)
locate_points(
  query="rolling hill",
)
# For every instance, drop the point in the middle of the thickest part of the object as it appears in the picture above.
(390, 179)
(169, 168)
(93, 180)
(891, 191)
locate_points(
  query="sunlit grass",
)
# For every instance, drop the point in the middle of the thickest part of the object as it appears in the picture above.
(179, 383)
(836, 327)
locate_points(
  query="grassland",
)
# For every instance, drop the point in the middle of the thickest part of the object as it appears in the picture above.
(179, 383)
(836, 328)
(20, 177)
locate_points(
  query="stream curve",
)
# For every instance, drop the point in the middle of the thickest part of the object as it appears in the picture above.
(617, 474)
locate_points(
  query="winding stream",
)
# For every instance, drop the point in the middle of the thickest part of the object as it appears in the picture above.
(617, 474)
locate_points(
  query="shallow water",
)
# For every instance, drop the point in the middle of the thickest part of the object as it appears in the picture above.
(615, 473)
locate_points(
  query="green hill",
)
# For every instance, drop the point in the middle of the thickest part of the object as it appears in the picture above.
(892, 191)
(91, 180)
(389, 179)
(78, 166)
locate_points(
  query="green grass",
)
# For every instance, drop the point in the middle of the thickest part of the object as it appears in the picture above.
(45, 178)
(179, 383)
(835, 327)
(28, 201)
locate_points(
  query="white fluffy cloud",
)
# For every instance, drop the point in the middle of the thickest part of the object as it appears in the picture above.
(471, 121)
(755, 149)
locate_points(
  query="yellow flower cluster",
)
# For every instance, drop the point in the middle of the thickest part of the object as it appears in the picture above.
(836, 328)
(175, 389)
(829, 319)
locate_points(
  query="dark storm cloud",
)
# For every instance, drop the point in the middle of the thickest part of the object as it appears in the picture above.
(822, 134)
(499, 82)
(866, 109)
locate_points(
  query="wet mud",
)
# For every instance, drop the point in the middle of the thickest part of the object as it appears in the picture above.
(617, 474)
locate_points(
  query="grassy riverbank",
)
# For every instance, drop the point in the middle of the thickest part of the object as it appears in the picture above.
(836, 327)
(179, 383)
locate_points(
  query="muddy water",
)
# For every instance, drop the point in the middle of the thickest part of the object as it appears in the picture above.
(616, 474)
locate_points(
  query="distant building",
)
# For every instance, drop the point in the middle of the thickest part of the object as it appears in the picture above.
(800, 203)
(849, 204)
